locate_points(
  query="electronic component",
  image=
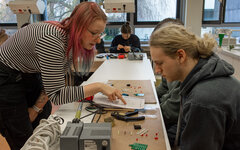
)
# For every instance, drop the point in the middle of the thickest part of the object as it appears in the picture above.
(125, 94)
(27, 7)
(135, 56)
(113, 56)
(137, 146)
(136, 126)
(126, 117)
(139, 94)
(99, 56)
(70, 136)
(96, 136)
(80, 136)
(120, 6)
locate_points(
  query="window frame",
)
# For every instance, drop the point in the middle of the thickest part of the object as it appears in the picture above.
(8, 24)
(221, 21)
(220, 15)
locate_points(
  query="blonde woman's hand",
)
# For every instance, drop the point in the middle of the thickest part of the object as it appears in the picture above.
(112, 93)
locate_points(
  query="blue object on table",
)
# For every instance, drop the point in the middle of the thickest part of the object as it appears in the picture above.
(125, 94)
(139, 94)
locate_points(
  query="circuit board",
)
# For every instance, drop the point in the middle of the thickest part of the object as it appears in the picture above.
(137, 88)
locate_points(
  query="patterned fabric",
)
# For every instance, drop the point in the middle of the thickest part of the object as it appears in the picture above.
(41, 48)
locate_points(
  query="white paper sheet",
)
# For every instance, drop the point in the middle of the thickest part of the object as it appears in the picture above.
(132, 102)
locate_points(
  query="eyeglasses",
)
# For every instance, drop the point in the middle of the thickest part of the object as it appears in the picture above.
(97, 35)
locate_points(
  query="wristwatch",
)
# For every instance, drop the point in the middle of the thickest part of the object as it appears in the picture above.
(37, 109)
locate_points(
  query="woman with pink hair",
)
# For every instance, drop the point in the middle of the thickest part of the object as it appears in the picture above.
(34, 64)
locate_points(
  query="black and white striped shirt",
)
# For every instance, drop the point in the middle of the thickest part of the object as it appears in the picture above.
(41, 47)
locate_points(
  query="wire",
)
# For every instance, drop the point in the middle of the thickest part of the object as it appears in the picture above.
(45, 136)
(93, 109)
(98, 110)
(99, 118)
(87, 115)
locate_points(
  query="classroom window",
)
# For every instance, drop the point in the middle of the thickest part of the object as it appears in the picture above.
(59, 10)
(116, 17)
(111, 33)
(6, 15)
(212, 30)
(211, 10)
(221, 12)
(143, 33)
(232, 11)
(212, 18)
(155, 11)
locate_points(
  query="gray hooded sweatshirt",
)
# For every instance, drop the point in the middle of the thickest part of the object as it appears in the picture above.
(211, 107)
(169, 99)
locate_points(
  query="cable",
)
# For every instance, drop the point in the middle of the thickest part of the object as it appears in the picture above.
(45, 136)
(87, 115)
(98, 110)
(98, 118)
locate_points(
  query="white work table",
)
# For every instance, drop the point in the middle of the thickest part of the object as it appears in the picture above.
(118, 69)
(123, 69)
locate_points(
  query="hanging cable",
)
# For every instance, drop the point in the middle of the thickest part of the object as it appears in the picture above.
(46, 135)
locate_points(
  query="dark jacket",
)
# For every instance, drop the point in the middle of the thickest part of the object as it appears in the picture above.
(211, 107)
(133, 41)
(169, 99)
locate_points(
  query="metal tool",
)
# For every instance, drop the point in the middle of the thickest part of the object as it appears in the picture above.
(126, 117)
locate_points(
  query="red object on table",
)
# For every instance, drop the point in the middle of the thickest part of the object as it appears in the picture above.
(90, 98)
(121, 56)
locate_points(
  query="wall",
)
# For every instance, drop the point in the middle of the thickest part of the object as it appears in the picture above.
(193, 16)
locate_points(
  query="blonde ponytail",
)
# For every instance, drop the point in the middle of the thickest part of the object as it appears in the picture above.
(206, 45)
(174, 37)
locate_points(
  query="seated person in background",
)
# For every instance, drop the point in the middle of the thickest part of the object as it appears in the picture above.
(100, 47)
(126, 42)
(168, 93)
(3, 36)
